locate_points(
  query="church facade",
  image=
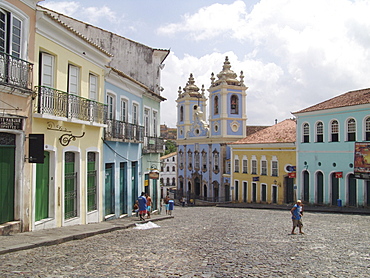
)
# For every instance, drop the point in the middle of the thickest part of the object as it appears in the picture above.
(203, 153)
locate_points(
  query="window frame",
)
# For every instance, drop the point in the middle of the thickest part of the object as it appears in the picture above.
(367, 128)
(234, 104)
(135, 113)
(254, 166)
(12, 13)
(123, 110)
(305, 133)
(93, 93)
(245, 165)
(334, 131)
(264, 167)
(111, 106)
(319, 132)
(44, 74)
(74, 81)
(351, 134)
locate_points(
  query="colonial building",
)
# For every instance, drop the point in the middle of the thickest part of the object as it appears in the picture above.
(263, 165)
(139, 69)
(203, 154)
(326, 136)
(168, 174)
(17, 40)
(69, 111)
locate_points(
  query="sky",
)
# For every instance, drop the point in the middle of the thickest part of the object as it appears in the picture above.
(293, 53)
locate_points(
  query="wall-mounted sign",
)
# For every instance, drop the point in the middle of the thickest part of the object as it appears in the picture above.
(11, 123)
(291, 168)
(292, 175)
(154, 174)
(362, 160)
(256, 178)
(339, 175)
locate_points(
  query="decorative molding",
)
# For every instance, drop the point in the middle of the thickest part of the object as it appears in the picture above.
(55, 127)
(65, 139)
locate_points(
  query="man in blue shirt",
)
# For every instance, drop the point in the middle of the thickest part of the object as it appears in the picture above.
(297, 217)
(142, 205)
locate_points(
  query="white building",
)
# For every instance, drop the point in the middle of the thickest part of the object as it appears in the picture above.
(168, 174)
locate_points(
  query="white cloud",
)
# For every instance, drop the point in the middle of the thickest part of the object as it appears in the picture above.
(302, 52)
(69, 8)
(92, 15)
(208, 22)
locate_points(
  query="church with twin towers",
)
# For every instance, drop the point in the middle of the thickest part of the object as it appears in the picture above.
(203, 153)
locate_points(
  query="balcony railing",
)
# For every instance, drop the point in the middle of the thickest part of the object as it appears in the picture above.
(122, 131)
(62, 104)
(153, 145)
(15, 72)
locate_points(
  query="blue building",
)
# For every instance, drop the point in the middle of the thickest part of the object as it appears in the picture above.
(203, 154)
(123, 140)
(326, 136)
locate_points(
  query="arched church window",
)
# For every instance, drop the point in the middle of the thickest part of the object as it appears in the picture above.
(234, 104)
(181, 113)
(216, 105)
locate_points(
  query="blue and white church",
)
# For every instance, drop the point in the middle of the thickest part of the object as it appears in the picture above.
(203, 154)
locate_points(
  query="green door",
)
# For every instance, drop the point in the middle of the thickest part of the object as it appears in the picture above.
(334, 189)
(70, 186)
(306, 186)
(7, 164)
(123, 187)
(289, 190)
(109, 189)
(320, 188)
(155, 195)
(134, 184)
(352, 190)
(42, 189)
(91, 182)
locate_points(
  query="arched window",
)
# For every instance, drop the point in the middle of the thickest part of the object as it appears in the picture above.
(319, 132)
(334, 131)
(215, 105)
(181, 113)
(234, 104)
(351, 130)
(367, 129)
(173, 181)
(173, 169)
(168, 182)
(306, 133)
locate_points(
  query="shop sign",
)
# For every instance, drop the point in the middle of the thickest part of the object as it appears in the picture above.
(11, 123)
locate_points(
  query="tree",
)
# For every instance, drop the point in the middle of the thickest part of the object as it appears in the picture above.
(170, 147)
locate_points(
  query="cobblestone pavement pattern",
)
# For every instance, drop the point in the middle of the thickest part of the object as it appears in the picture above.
(210, 242)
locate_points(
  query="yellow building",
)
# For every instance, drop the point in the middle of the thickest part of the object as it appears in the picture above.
(263, 165)
(69, 111)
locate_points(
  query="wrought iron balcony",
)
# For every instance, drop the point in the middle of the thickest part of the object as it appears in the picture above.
(15, 72)
(122, 131)
(62, 104)
(153, 145)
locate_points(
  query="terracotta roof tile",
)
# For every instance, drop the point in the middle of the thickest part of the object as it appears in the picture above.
(283, 132)
(168, 155)
(254, 128)
(347, 99)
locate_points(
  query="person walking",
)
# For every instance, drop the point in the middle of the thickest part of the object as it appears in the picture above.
(142, 205)
(171, 204)
(166, 199)
(297, 217)
(148, 205)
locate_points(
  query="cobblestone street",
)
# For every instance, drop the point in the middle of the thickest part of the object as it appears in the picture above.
(210, 242)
